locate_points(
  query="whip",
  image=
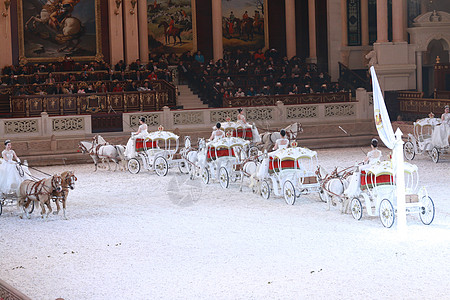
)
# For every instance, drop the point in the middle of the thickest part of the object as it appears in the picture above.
(350, 136)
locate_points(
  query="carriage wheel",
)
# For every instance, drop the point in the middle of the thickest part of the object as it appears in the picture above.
(205, 176)
(408, 150)
(161, 166)
(434, 155)
(426, 212)
(356, 209)
(134, 166)
(224, 179)
(265, 190)
(183, 166)
(253, 151)
(323, 195)
(386, 213)
(289, 192)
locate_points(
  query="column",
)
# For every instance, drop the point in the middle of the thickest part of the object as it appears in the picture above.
(115, 14)
(291, 44)
(130, 27)
(5, 39)
(217, 29)
(364, 22)
(344, 23)
(419, 70)
(398, 27)
(382, 21)
(143, 31)
(312, 31)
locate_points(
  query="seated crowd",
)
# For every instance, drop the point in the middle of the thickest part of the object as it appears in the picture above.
(69, 77)
(242, 73)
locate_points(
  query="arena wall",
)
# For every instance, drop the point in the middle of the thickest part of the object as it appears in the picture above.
(48, 140)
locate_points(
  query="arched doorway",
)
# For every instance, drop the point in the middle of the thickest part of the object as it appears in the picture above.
(435, 49)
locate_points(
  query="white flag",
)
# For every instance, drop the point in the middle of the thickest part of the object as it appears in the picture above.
(381, 116)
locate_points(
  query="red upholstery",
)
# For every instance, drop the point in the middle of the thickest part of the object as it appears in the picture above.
(379, 180)
(148, 144)
(274, 166)
(211, 155)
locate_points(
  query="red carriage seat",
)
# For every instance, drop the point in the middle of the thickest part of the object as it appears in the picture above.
(245, 133)
(384, 179)
(211, 155)
(274, 165)
(142, 144)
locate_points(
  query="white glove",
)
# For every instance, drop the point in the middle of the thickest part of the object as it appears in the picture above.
(18, 160)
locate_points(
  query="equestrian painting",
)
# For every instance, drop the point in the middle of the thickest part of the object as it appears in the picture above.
(170, 25)
(243, 24)
(50, 29)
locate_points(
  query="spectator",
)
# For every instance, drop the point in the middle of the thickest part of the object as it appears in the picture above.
(21, 91)
(132, 87)
(102, 88)
(199, 57)
(117, 88)
(50, 79)
(239, 93)
(251, 92)
(152, 76)
(145, 87)
(90, 89)
(278, 89)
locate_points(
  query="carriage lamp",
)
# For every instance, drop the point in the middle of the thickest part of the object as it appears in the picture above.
(118, 2)
(7, 4)
(133, 5)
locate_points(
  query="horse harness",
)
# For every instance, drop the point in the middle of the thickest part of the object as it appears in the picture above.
(39, 188)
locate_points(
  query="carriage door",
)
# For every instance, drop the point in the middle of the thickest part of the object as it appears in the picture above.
(107, 122)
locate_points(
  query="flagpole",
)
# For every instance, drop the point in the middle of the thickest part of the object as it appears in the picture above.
(399, 168)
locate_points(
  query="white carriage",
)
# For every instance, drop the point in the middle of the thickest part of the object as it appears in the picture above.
(224, 158)
(244, 131)
(158, 151)
(377, 193)
(290, 172)
(426, 139)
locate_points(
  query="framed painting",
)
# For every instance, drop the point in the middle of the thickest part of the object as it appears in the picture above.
(50, 30)
(171, 26)
(244, 24)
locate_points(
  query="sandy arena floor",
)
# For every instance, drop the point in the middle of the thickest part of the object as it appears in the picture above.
(148, 237)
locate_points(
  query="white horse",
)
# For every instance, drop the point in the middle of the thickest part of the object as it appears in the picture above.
(100, 150)
(269, 138)
(333, 186)
(197, 159)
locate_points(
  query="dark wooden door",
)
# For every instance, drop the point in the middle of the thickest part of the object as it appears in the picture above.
(107, 123)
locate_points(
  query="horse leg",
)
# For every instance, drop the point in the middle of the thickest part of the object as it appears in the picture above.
(42, 209)
(64, 206)
(57, 206)
(49, 207)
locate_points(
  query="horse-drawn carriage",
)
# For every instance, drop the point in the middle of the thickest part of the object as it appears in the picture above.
(224, 158)
(289, 172)
(158, 151)
(377, 193)
(427, 139)
(244, 131)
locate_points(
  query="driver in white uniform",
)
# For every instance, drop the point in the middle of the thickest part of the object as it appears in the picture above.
(142, 133)
(218, 133)
(282, 142)
(10, 177)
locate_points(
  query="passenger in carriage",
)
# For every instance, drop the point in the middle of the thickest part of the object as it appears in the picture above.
(374, 156)
(241, 117)
(10, 176)
(217, 133)
(282, 142)
(441, 133)
(142, 133)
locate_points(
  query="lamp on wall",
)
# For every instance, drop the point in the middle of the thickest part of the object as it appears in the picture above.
(7, 4)
(118, 2)
(133, 5)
